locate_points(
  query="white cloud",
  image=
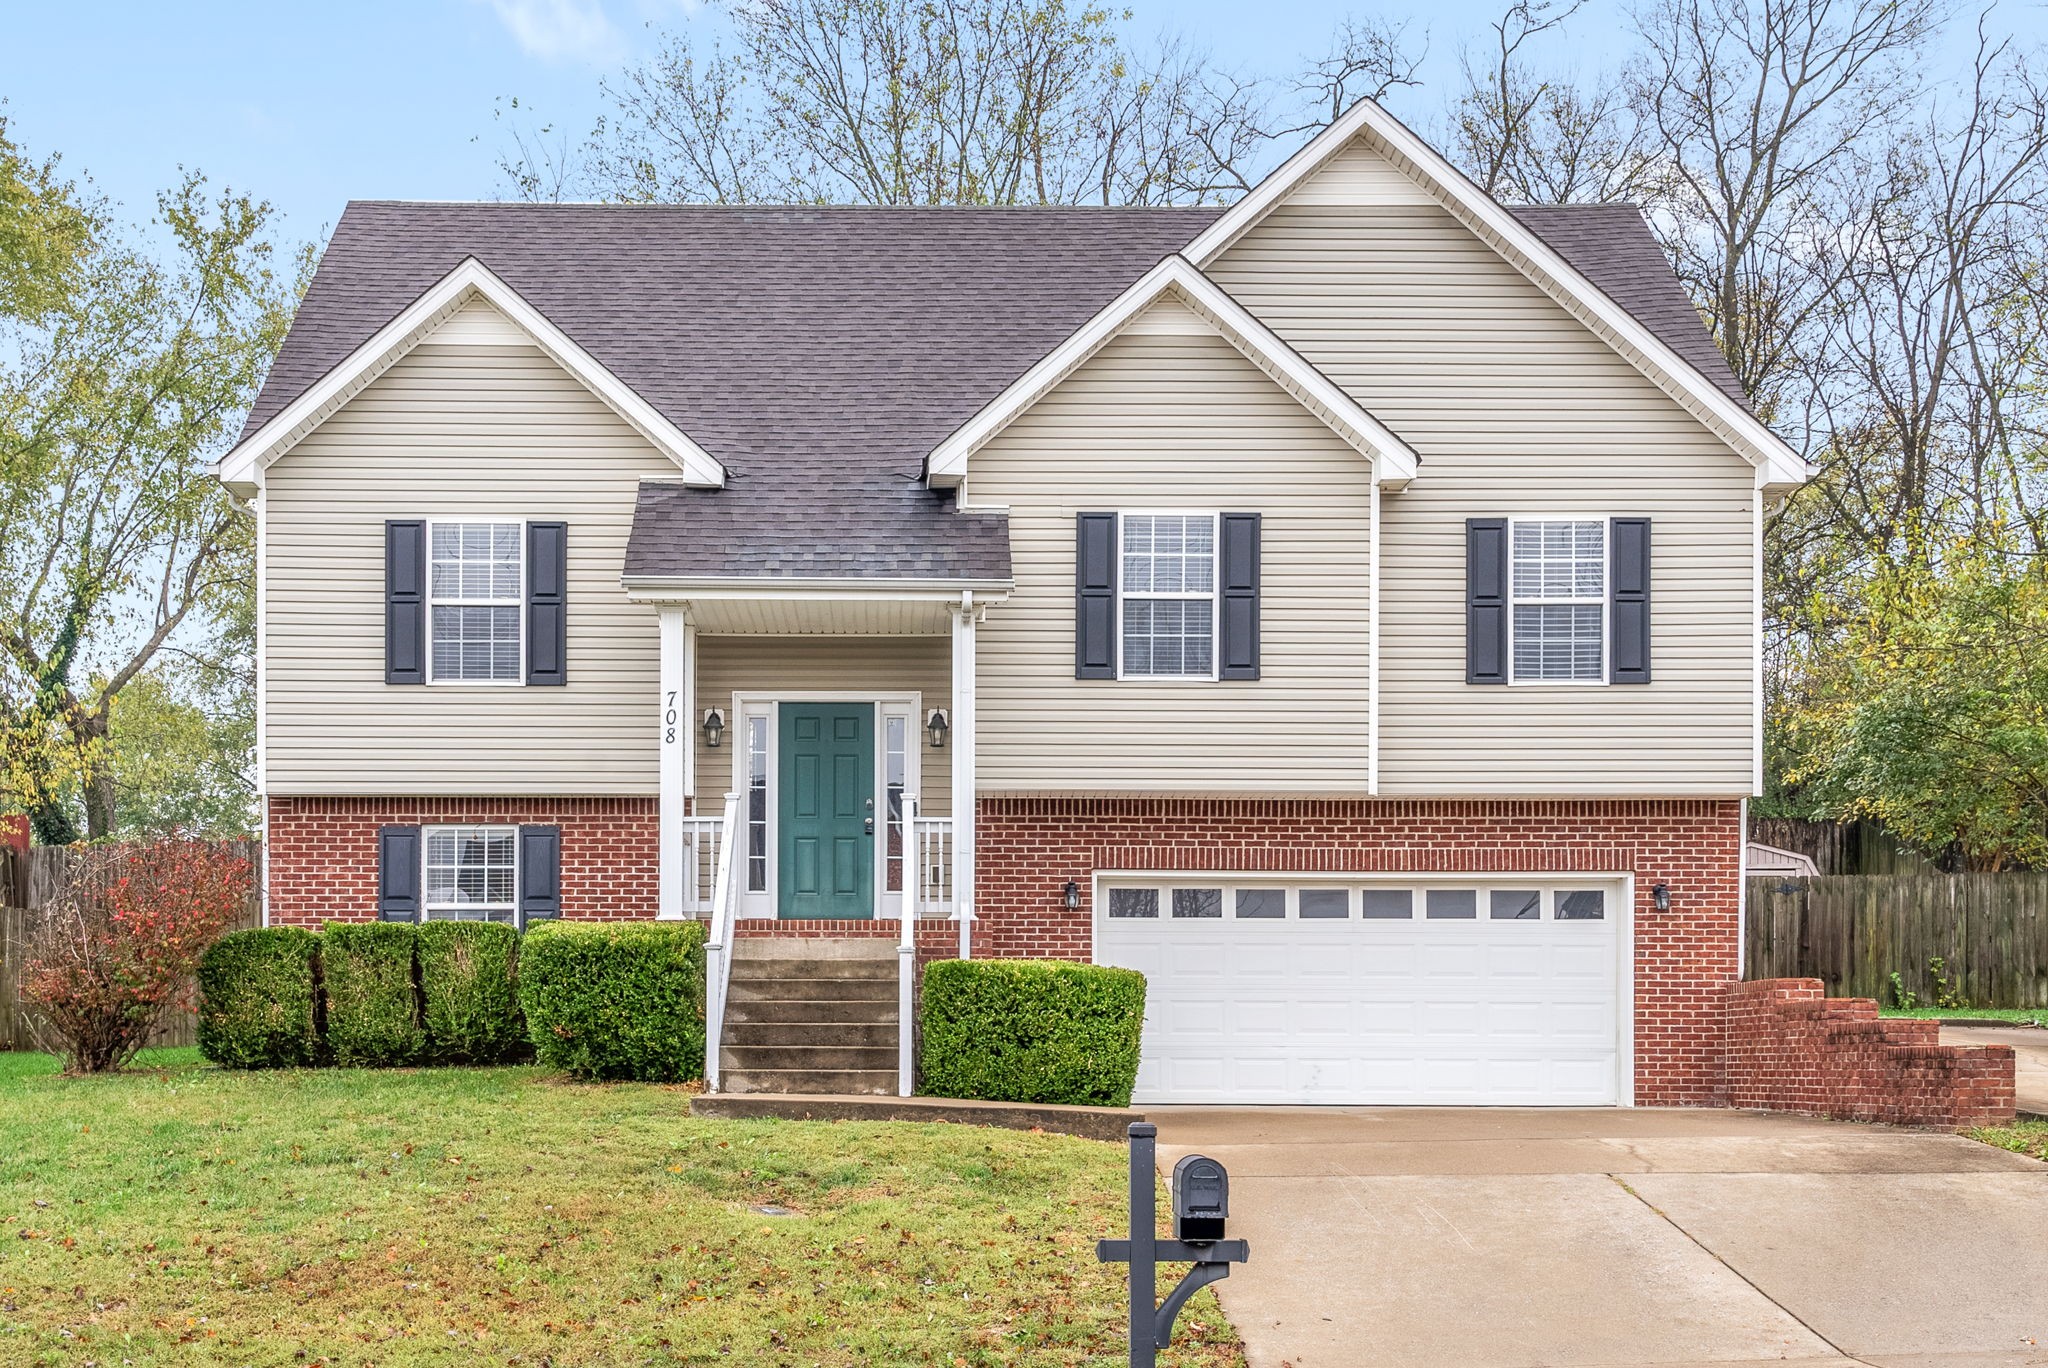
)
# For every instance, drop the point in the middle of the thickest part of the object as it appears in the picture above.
(561, 30)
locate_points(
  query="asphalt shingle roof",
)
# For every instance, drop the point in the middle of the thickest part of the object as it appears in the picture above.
(819, 353)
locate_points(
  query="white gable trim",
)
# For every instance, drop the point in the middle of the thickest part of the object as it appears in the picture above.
(242, 468)
(1394, 461)
(1779, 468)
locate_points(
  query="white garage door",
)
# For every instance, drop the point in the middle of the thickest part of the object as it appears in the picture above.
(1506, 992)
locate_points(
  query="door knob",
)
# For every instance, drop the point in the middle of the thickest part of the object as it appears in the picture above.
(869, 826)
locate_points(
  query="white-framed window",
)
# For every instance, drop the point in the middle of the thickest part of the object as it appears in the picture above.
(1166, 570)
(1390, 898)
(1557, 600)
(476, 602)
(757, 802)
(472, 874)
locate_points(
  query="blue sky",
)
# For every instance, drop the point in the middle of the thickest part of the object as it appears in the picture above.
(311, 105)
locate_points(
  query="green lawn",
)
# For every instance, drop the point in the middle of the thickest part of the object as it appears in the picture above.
(183, 1215)
(2018, 1016)
(2022, 1137)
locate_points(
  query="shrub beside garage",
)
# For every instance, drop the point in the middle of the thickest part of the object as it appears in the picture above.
(1031, 1031)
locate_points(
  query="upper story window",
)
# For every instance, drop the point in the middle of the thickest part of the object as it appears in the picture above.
(1558, 600)
(471, 873)
(476, 597)
(1168, 574)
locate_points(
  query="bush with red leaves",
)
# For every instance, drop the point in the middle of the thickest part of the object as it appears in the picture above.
(118, 946)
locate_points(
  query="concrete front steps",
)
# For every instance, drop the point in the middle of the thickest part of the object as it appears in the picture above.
(810, 1016)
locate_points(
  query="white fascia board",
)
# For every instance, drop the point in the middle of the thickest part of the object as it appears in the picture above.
(243, 467)
(1394, 461)
(687, 588)
(1779, 468)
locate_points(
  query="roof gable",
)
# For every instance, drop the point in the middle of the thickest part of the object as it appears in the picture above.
(1649, 349)
(1394, 461)
(444, 304)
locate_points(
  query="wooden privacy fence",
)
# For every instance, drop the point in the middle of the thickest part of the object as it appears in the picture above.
(43, 878)
(1853, 931)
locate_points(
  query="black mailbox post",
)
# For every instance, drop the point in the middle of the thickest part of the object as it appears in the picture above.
(1201, 1205)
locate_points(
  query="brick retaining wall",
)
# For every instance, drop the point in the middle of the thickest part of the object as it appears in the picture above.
(1792, 1048)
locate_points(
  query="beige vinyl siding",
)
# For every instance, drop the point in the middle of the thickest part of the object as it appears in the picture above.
(1515, 409)
(861, 666)
(476, 430)
(1169, 416)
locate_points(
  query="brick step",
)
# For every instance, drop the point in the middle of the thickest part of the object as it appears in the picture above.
(801, 1011)
(823, 990)
(878, 1034)
(838, 1058)
(880, 1082)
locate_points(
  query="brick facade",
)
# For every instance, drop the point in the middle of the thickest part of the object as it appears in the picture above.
(323, 866)
(1026, 848)
(322, 852)
(1792, 1048)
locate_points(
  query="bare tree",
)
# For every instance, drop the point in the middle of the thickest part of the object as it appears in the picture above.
(909, 102)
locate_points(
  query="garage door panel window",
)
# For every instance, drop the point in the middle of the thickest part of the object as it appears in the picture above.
(1387, 904)
(1328, 904)
(1515, 904)
(1581, 904)
(1451, 904)
(1262, 903)
(1198, 902)
(1134, 902)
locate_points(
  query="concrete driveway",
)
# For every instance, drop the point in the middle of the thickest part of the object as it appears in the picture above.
(1417, 1238)
(2029, 1055)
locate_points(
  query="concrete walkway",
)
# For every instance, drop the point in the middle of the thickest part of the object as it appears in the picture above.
(2030, 1058)
(1417, 1238)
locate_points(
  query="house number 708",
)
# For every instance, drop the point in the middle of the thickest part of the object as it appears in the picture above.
(668, 721)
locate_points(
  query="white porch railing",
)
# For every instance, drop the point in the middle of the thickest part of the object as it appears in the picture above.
(703, 838)
(723, 901)
(931, 846)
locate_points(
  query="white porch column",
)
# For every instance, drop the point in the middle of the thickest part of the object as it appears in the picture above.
(678, 754)
(963, 769)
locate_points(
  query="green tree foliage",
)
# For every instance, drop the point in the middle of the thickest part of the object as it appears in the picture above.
(120, 545)
(45, 231)
(1928, 708)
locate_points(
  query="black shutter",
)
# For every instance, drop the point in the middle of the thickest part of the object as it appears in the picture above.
(540, 873)
(547, 603)
(1628, 608)
(405, 602)
(1486, 600)
(398, 873)
(1095, 596)
(1239, 603)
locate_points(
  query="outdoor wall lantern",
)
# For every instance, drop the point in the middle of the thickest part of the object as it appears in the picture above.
(714, 727)
(1661, 895)
(1070, 896)
(937, 727)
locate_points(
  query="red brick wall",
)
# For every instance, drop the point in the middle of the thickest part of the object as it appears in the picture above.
(1026, 848)
(1791, 1048)
(322, 852)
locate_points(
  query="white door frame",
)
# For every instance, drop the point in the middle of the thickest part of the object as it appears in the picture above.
(1624, 928)
(765, 905)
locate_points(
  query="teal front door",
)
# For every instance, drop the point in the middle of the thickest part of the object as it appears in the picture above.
(826, 854)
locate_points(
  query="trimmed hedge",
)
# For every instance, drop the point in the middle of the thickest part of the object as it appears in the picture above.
(259, 999)
(616, 999)
(372, 1003)
(1031, 1031)
(469, 993)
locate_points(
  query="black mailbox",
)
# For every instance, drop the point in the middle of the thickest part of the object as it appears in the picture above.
(1201, 1198)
